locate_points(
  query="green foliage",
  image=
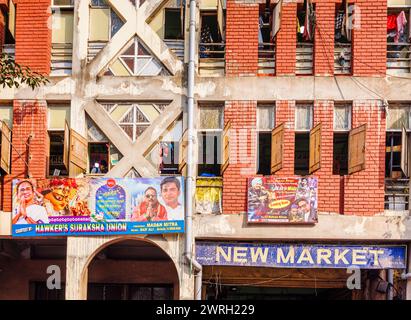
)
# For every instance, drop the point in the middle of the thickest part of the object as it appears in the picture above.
(14, 75)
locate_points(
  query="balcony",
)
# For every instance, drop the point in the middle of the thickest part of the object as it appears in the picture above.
(209, 195)
(342, 58)
(304, 58)
(10, 50)
(266, 59)
(396, 194)
(211, 59)
(398, 58)
(61, 59)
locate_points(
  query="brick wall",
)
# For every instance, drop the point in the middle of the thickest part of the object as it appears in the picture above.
(29, 117)
(33, 36)
(370, 39)
(285, 113)
(286, 42)
(242, 154)
(324, 38)
(241, 38)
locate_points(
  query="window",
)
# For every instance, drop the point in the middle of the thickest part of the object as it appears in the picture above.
(342, 126)
(9, 24)
(104, 22)
(57, 167)
(305, 31)
(173, 24)
(303, 125)
(398, 116)
(98, 157)
(265, 125)
(210, 140)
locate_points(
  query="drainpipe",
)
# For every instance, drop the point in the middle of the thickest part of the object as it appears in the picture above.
(390, 279)
(188, 251)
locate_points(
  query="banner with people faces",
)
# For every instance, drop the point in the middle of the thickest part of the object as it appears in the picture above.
(97, 206)
(282, 200)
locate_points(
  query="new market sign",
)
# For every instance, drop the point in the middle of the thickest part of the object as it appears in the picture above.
(97, 206)
(301, 256)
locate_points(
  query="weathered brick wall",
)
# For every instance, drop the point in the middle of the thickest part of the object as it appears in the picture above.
(33, 35)
(370, 39)
(286, 42)
(242, 154)
(241, 38)
(29, 118)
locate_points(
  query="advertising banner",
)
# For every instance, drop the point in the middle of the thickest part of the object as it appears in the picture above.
(301, 255)
(97, 206)
(282, 200)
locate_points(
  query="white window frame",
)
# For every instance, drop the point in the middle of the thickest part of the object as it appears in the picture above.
(304, 104)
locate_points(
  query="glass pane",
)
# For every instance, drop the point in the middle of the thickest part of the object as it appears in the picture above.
(140, 129)
(128, 129)
(342, 117)
(130, 51)
(398, 117)
(99, 3)
(116, 23)
(94, 134)
(265, 117)
(142, 51)
(129, 62)
(303, 117)
(151, 69)
(141, 63)
(211, 118)
(140, 117)
(129, 118)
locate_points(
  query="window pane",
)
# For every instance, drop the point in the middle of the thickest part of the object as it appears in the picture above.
(116, 23)
(342, 117)
(63, 2)
(6, 115)
(62, 27)
(398, 117)
(211, 118)
(57, 116)
(265, 117)
(303, 117)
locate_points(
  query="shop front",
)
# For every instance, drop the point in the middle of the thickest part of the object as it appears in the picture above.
(295, 271)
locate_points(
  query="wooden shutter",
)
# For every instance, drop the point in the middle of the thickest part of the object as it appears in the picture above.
(277, 141)
(5, 147)
(315, 148)
(66, 152)
(276, 18)
(78, 150)
(404, 152)
(12, 18)
(182, 152)
(356, 149)
(225, 145)
(220, 18)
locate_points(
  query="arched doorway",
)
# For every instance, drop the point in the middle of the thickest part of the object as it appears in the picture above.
(132, 270)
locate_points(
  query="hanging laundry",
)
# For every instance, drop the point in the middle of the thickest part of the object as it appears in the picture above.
(309, 21)
(392, 22)
(348, 22)
(260, 33)
(401, 23)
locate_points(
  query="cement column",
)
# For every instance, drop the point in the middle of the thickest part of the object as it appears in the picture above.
(408, 287)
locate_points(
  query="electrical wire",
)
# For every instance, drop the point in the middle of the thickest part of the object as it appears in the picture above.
(245, 284)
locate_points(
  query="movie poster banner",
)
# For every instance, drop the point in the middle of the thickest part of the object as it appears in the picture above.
(97, 206)
(282, 200)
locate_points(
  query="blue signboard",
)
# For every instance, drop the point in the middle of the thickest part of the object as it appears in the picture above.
(301, 255)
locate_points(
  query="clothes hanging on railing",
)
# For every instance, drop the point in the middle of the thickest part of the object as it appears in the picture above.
(309, 21)
(396, 27)
(401, 23)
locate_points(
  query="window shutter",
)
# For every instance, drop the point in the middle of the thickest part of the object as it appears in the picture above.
(277, 140)
(276, 19)
(404, 152)
(315, 148)
(182, 152)
(12, 18)
(5, 147)
(78, 150)
(356, 149)
(66, 152)
(220, 18)
(225, 147)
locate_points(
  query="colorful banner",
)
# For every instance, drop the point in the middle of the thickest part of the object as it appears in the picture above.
(301, 255)
(282, 200)
(97, 206)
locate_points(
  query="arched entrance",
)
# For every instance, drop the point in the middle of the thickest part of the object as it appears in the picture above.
(132, 270)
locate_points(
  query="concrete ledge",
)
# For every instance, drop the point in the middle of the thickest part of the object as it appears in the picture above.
(330, 227)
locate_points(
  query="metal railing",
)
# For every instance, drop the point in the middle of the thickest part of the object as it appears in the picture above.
(396, 194)
(10, 50)
(342, 58)
(266, 58)
(304, 58)
(212, 59)
(61, 58)
(399, 57)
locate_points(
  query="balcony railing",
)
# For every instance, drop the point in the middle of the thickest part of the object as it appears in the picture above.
(399, 57)
(266, 58)
(209, 195)
(10, 50)
(177, 46)
(342, 58)
(61, 58)
(396, 194)
(304, 57)
(212, 59)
